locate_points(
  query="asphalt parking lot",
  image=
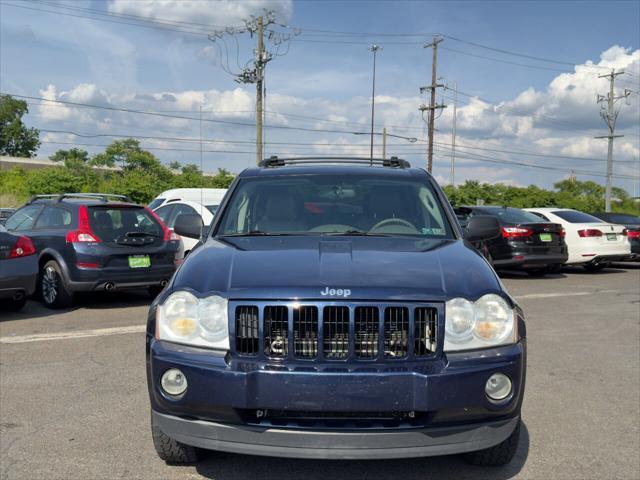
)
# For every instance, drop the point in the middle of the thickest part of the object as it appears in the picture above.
(73, 399)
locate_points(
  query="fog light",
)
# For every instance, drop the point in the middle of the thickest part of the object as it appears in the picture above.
(498, 387)
(173, 382)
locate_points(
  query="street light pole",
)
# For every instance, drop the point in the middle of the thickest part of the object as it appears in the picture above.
(374, 48)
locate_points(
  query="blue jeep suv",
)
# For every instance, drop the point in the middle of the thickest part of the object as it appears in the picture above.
(335, 309)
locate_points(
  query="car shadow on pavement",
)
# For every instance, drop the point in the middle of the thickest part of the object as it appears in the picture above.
(89, 301)
(241, 467)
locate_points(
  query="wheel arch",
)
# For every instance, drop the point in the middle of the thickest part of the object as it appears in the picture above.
(49, 254)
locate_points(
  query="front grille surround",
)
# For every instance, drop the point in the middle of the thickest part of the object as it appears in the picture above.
(339, 332)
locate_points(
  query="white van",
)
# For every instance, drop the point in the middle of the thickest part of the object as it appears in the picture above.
(209, 197)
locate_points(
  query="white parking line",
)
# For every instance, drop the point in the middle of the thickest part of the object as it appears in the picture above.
(98, 332)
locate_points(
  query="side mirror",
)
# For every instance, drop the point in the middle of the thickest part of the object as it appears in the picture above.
(482, 227)
(188, 225)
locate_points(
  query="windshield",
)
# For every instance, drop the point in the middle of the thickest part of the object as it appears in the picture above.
(111, 223)
(514, 215)
(155, 203)
(573, 216)
(334, 205)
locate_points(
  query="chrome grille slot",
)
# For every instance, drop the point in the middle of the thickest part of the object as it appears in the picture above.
(276, 331)
(396, 332)
(367, 327)
(247, 339)
(305, 332)
(424, 331)
(335, 324)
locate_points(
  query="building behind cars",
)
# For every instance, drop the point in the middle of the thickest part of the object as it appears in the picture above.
(592, 242)
(525, 241)
(95, 242)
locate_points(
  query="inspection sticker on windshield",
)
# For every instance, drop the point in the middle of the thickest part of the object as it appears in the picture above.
(139, 261)
(433, 231)
(545, 237)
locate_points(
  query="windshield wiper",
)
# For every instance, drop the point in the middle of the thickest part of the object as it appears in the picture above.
(356, 233)
(258, 233)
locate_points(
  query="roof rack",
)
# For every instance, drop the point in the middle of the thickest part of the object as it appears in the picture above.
(393, 162)
(58, 197)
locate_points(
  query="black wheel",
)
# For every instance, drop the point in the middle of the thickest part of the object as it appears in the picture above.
(594, 267)
(537, 272)
(170, 450)
(499, 455)
(53, 290)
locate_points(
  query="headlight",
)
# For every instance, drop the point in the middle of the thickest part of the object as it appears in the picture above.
(487, 322)
(184, 318)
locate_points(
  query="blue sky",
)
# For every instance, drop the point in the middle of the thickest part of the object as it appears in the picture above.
(503, 107)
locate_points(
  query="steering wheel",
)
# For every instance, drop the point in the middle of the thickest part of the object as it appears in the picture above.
(393, 221)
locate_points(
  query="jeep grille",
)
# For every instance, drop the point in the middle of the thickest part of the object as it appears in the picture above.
(310, 331)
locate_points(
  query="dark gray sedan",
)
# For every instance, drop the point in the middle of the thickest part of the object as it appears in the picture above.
(18, 270)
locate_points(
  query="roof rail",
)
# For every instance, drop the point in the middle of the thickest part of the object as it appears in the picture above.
(393, 162)
(58, 197)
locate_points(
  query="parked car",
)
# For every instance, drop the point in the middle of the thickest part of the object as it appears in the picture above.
(18, 270)
(631, 223)
(525, 242)
(5, 213)
(95, 242)
(170, 212)
(209, 197)
(592, 243)
(335, 311)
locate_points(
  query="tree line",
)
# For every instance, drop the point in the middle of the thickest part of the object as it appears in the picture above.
(142, 175)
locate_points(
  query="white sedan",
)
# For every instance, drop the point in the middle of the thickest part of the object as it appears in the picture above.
(591, 242)
(170, 211)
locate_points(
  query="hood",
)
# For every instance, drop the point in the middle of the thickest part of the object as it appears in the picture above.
(326, 268)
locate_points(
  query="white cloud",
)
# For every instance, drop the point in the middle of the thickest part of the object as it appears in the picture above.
(201, 13)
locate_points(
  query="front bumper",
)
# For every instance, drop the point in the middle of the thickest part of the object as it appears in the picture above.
(344, 445)
(447, 392)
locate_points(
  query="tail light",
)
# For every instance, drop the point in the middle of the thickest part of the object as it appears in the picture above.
(590, 232)
(169, 235)
(563, 233)
(633, 234)
(83, 234)
(23, 248)
(516, 232)
(624, 232)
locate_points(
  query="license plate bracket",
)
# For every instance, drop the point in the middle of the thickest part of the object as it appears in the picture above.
(139, 261)
(611, 236)
(545, 237)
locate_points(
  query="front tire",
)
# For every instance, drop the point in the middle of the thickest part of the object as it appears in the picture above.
(499, 455)
(53, 290)
(170, 450)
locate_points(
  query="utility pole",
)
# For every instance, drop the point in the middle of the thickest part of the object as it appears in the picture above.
(374, 48)
(453, 134)
(260, 64)
(432, 102)
(262, 55)
(384, 142)
(610, 116)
